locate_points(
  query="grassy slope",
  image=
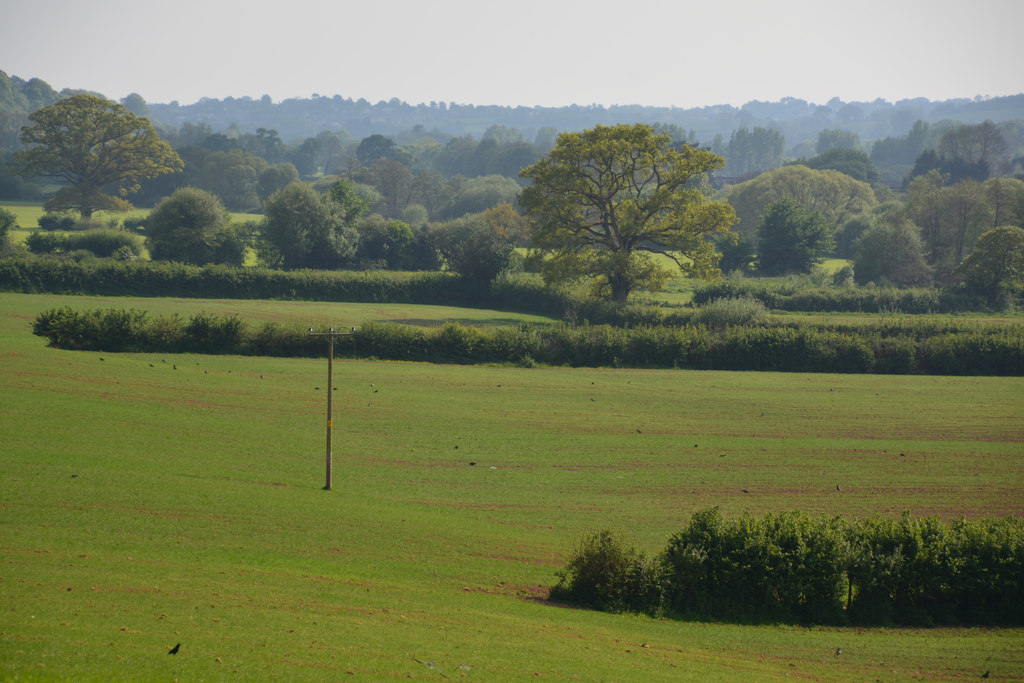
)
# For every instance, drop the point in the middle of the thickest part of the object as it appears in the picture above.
(196, 514)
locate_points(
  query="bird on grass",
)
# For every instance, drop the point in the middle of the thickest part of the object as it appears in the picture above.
(431, 665)
(985, 675)
(174, 650)
(839, 651)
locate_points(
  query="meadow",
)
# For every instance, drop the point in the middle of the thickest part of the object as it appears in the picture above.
(150, 500)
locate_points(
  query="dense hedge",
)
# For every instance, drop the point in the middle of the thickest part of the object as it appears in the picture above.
(982, 349)
(794, 296)
(789, 567)
(519, 293)
(101, 242)
(161, 278)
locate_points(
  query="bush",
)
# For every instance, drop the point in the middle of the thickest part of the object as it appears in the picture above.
(721, 313)
(791, 568)
(605, 573)
(101, 242)
(56, 221)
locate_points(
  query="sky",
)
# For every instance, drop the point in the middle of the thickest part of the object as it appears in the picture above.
(520, 53)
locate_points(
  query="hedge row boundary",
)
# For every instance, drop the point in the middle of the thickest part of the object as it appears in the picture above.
(987, 350)
(791, 568)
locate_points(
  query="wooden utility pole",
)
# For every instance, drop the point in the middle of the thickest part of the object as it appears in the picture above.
(331, 335)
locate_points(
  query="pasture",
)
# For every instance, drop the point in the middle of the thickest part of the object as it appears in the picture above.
(149, 500)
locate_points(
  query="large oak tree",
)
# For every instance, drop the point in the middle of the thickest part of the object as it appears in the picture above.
(605, 200)
(95, 147)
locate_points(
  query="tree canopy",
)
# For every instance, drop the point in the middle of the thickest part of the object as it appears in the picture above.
(192, 226)
(791, 238)
(834, 195)
(91, 144)
(995, 269)
(605, 199)
(304, 229)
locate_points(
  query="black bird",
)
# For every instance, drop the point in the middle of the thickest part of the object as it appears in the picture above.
(839, 651)
(174, 650)
(745, 491)
(837, 488)
(984, 675)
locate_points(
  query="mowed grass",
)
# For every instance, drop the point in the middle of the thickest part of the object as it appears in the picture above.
(149, 500)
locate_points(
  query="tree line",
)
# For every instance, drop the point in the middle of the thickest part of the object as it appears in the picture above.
(656, 195)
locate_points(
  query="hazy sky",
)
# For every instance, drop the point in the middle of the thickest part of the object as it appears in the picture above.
(520, 52)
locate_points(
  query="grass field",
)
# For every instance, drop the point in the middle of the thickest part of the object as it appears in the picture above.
(29, 213)
(149, 500)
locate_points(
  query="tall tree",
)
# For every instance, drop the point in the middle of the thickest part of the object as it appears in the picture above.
(91, 144)
(892, 250)
(791, 238)
(303, 229)
(754, 151)
(833, 194)
(192, 226)
(604, 200)
(836, 138)
(995, 269)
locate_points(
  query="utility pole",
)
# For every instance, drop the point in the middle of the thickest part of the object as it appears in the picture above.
(331, 335)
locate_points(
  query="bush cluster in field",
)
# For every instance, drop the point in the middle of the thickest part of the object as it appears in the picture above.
(101, 242)
(791, 568)
(926, 347)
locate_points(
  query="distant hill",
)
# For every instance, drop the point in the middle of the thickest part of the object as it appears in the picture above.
(797, 119)
(296, 119)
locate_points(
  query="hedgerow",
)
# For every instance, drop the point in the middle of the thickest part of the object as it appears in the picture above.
(798, 296)
(789, 567)
(983, 350)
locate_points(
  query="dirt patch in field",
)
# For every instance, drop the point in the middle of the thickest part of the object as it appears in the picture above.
(534, 592)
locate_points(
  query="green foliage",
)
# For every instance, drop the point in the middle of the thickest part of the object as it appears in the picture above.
(720, 313)
(472, 247)
(605, 199)
(91, 143)
(782, 567)
(56, 221)
(8, 221)
(101, 242)
(605, 573)
(756, 347)
(476, 195)
(797, 295)
(753, 151)
(853, 162)
(789, 567)
(352, 203)
(384, 243)
(306, 229)
(834, 195)
(192, 226)
(995, 269)
(892, 251)
(791, 239)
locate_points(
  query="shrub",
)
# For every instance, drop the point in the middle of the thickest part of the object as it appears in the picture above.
(789, 567)
(721, 313)
(605, 573)
(56, 221)
(101, 242)
(209, 334)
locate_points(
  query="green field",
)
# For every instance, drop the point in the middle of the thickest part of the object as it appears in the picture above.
(149, 500)
(29, 213)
